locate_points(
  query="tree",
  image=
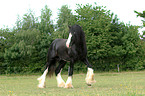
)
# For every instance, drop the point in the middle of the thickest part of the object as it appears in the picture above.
(29, 21)
(46, 29)
(109, 42)
(96, 21)
(31, 41)
(46, 24)
(141, 15)
(65, 19)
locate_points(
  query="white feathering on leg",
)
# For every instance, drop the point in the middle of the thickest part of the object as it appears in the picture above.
(60, 81)
(42, 79)
(69, 83)
(90, 77)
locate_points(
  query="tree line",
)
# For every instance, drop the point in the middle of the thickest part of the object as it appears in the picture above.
(110, 43)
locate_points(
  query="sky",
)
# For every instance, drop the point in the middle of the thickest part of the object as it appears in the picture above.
(124, 9)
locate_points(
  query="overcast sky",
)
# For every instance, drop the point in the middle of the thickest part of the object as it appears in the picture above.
(10, 9)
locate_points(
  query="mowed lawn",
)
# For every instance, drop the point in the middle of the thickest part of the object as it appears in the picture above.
(107, 84)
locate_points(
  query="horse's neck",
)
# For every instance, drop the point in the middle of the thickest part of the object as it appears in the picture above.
(81, 45)
(81, 40)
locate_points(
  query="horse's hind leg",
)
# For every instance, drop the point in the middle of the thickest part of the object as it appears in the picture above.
(90, 74)
(60, 81)
(42, 79)
(69, 80)
(50, 67)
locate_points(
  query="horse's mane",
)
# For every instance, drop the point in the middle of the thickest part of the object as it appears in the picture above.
(80, 41)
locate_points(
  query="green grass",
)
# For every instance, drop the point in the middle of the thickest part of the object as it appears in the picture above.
(107, 84)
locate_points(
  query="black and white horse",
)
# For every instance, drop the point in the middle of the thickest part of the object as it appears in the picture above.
(63, 50)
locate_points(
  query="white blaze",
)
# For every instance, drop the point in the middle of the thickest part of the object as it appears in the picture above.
(42, 79)
(68, 40)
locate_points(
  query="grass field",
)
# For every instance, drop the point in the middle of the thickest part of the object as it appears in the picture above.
(107, 84)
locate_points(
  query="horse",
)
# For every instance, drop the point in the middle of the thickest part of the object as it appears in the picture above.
(67, 50)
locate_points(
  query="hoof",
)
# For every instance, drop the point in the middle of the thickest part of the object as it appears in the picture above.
(69, 83)
(68, 86)
(62, 84)
(89, 84)
(41, 86)
(41, 83)
(90, 77)
(90, 81)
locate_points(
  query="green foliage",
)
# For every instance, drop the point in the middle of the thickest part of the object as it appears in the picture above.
(65, 18)
(109, 42)
(142, 15)
(46, 25)
(25, 47)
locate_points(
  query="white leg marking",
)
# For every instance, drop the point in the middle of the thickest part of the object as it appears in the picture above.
(68, 40)
(42, 79)
(60, 81)
(69, 83)
(90, 77)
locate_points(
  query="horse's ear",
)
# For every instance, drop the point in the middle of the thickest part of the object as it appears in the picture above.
(69, 26)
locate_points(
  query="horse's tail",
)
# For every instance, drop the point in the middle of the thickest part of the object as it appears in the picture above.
(51, 68)
(51, 63)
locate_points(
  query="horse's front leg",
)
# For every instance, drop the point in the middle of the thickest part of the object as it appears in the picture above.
(69, 80)
(90, 74)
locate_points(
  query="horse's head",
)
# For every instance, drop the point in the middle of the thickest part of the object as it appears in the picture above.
(75, 33)
(71, 38)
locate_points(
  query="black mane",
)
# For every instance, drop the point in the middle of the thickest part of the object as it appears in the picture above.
(79, 40)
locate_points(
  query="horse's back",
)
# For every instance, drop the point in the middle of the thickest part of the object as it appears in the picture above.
(59, 43)
(58, 47)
